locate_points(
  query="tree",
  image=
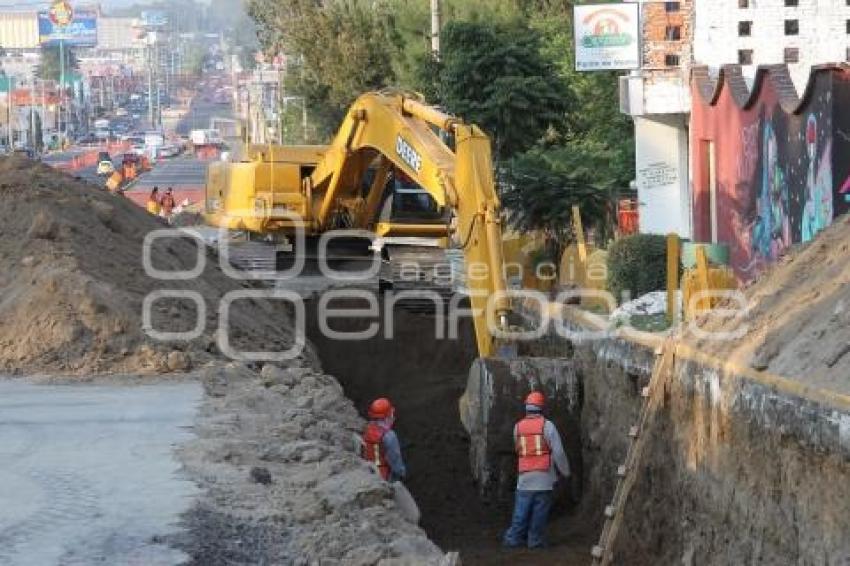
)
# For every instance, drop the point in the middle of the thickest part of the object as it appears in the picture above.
(540, 187)
(494, 75)
(343, 47)
(50, 66)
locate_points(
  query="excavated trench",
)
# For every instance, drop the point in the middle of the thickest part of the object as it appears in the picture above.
(425, 377)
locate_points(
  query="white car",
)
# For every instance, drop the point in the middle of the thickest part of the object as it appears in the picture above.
(169, 150)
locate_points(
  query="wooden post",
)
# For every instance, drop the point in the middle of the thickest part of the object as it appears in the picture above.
(672, 278)
(702, 273)
(579, 230)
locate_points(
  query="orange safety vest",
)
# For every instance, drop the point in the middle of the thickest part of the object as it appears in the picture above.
(373, 448)
(531, 446)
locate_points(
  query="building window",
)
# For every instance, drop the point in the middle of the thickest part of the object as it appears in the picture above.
(674, 6)
(847, 55)
(746, 3)
(792, 55)
(792, 3)
(745, 56)
(673, 33)
(745, 29)
(847, 24)
(792, 27)
(671, 60)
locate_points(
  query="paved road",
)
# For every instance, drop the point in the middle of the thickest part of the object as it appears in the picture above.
(88, 474)
(88, 174)
(185, 171)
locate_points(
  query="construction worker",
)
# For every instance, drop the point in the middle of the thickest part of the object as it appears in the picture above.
(540, 454)
(154, 206)
(168, 204)
(380, 443)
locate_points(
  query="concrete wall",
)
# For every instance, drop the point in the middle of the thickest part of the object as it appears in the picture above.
(661, 160)
(822, 37)
(742, 468)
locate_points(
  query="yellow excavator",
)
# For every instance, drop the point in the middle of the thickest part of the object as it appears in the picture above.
(391, 148)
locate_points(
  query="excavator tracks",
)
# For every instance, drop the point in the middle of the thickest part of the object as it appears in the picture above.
(424, 279)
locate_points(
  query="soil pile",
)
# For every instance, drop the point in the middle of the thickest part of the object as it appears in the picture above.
(798, 320)
(72, 284)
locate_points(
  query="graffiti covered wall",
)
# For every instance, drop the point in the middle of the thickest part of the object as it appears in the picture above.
(769, 169)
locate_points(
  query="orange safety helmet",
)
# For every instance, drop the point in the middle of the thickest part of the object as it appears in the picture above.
(381, 408)
(535, 398)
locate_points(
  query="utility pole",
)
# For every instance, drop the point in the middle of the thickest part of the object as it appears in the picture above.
(150, 86)
(435, 28)
(64, 128)
(33, 143)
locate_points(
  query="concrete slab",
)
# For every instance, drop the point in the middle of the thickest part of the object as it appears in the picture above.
(88, 474)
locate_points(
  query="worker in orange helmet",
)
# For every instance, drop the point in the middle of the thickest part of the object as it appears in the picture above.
(540, 453)
(380, 442)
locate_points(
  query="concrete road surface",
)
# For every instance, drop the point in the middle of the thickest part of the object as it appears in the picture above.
(184, 171)
(88, 474)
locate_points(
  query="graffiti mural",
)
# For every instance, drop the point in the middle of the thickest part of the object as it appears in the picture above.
(779, 174)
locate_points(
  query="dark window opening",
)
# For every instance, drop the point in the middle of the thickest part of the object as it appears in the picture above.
(792, 55)
(672, 6)
(792, 27)
(745, 57)
(746, 3)
(847, 24)
(673, 33)
(792, 3)
(745, 29)
(671, 60)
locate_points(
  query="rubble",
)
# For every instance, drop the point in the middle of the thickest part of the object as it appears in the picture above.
(286, 475)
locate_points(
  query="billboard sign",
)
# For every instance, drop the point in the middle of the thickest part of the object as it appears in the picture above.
(77, 28)
(154, 19)
(607, 37)
(61, 14)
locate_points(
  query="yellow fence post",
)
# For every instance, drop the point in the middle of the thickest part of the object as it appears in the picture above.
(702, 275)
(579, 230)
(672, 278)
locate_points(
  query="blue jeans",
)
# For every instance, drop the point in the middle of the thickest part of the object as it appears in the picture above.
(528, 525)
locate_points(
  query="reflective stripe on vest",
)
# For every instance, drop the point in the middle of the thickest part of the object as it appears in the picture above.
(531, 446)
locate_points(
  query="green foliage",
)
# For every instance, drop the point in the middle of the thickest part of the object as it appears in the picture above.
(494, 75)
(50, 66)
(638, 265)
(346, 47)
(507, 65)
(540, 187)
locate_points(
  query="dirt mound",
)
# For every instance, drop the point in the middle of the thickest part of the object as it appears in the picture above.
(72, 284)
(798, 319)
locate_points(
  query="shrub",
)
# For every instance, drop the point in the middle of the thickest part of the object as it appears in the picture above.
(637, 264)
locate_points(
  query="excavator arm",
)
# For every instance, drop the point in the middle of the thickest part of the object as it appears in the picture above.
(400, 131)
